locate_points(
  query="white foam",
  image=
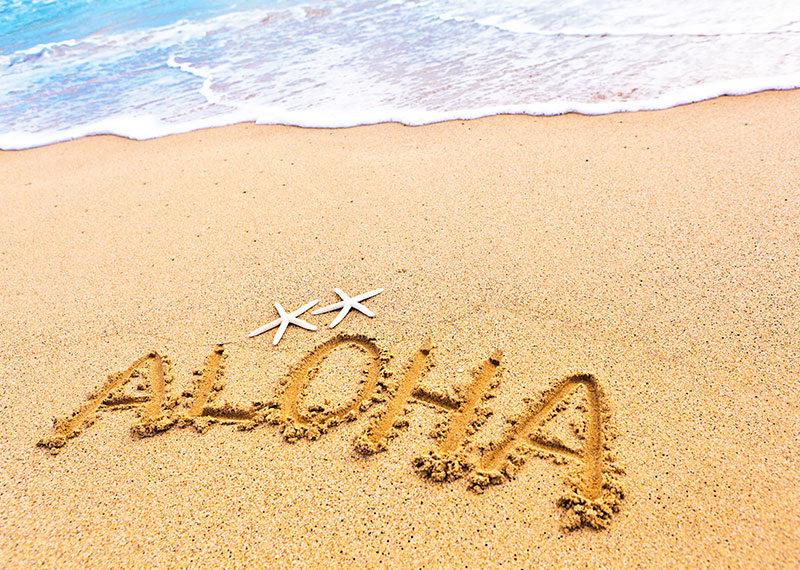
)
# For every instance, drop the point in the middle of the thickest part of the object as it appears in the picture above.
(351, 62)
(205, 74)
(630, 17)
(143, 127)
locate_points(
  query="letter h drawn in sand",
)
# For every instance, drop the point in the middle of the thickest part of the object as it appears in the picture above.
(464, 416)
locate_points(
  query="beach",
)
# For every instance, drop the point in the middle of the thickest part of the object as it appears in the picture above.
(648, 260)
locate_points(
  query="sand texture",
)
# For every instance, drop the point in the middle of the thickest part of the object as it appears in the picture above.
(586, 355)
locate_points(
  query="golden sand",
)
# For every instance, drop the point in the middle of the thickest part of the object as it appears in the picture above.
(586, 355)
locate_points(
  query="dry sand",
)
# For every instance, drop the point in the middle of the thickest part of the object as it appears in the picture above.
(657, 252)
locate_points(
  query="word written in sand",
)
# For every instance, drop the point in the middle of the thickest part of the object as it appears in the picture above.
(592, 491)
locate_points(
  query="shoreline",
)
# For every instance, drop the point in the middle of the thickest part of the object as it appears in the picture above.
(571, 306)
(146, 128)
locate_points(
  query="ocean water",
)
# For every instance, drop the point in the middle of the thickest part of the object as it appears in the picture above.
(147, 68)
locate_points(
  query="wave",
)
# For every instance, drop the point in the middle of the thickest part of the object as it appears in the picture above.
(144, 127)
(352, 62)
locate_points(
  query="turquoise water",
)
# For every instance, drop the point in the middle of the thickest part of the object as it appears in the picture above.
(146, 69)
(29, 23)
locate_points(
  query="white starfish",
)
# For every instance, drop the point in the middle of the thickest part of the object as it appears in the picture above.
(348, 303)
(285, 320)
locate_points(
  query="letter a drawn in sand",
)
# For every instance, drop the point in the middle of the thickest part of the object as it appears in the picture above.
(593, 491)
(149, 399)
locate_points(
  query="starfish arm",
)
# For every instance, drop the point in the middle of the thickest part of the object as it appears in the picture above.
(340, 316)
(363, 309)
(341, 294)
(281, 330)
(280, 309)
(303, 309)
(367, 295)
(329, 308)
(265, 328)
(302, 324)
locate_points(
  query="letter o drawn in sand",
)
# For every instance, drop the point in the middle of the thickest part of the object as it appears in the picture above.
(312, 424)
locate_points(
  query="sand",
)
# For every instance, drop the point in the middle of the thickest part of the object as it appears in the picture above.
(586, 355)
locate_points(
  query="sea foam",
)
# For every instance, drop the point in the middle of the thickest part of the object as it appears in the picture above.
(347, 63)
